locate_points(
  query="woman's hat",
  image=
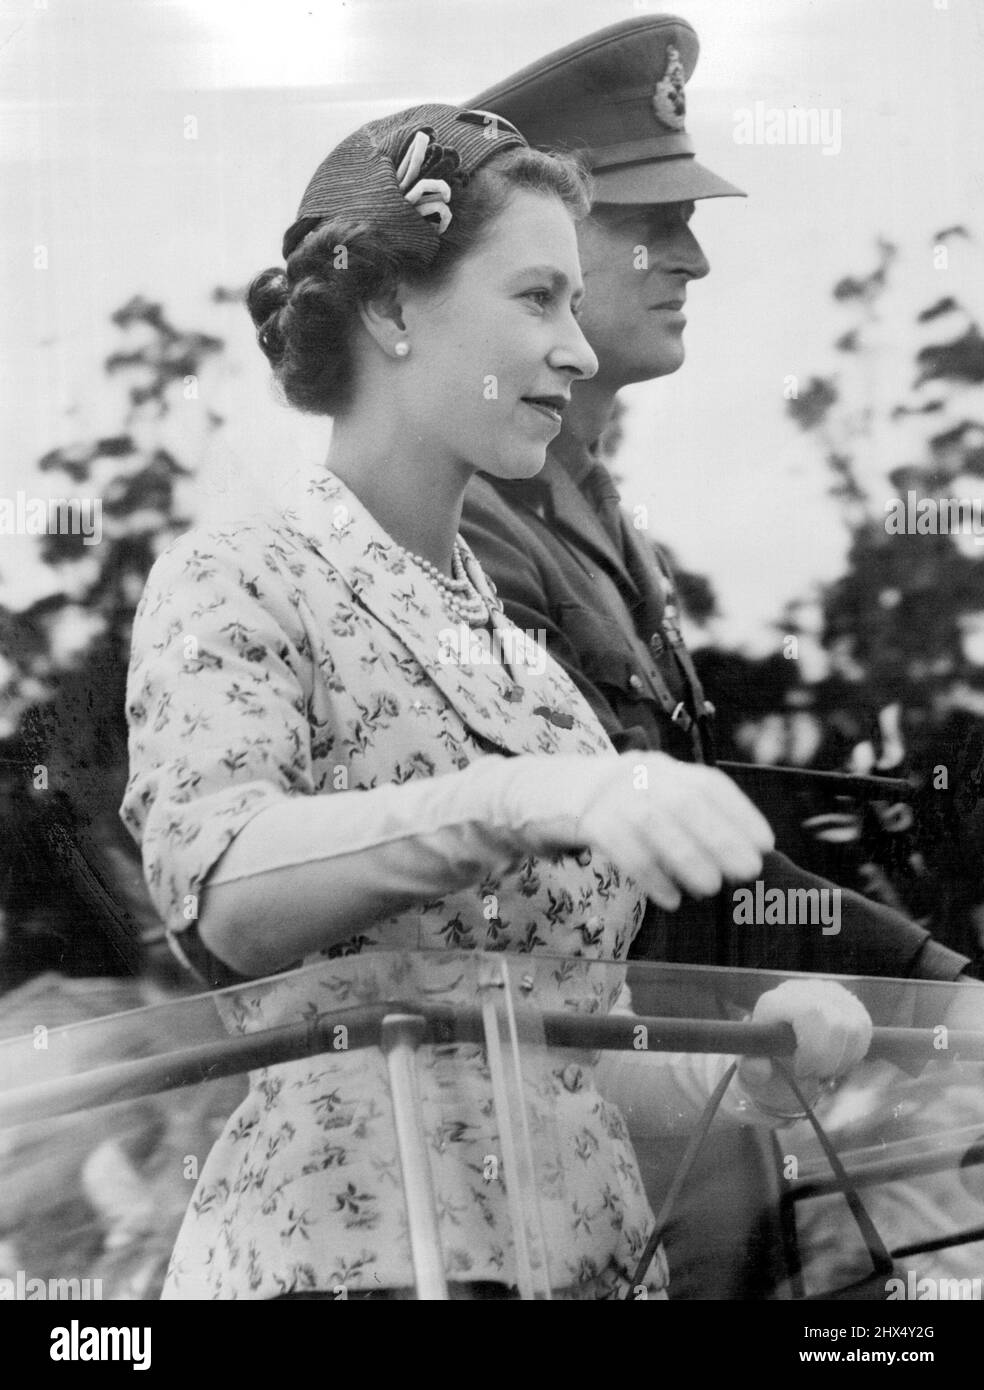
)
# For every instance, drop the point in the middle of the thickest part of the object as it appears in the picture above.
(399, 174)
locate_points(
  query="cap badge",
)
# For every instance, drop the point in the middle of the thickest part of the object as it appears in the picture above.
(669, 98)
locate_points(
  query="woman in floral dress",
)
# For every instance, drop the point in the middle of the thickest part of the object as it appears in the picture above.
(339, 746)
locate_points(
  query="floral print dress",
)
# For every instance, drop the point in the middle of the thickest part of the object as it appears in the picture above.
(297, 654)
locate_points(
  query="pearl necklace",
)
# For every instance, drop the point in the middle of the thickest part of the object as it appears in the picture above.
(469, 601)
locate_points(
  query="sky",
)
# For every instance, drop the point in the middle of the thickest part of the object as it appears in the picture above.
(161, 148)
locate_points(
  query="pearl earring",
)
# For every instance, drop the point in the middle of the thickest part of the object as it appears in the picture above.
(402, 348)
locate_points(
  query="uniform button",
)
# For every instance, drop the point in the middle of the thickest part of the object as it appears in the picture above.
(635, 681)
(656, 644)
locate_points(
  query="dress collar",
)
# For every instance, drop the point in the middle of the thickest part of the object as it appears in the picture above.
(519, 706)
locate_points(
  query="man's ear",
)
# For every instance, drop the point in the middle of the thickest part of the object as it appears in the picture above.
(382, 318)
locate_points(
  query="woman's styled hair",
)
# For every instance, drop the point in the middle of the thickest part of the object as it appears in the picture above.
(305, 314)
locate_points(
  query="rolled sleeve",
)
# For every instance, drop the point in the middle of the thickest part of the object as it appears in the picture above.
(216, 709)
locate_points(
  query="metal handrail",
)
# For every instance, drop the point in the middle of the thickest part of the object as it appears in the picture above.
(401, 1035)
(191, 1066)
(399, 1028)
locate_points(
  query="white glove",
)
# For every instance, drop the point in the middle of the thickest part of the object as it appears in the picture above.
(833, 1032)
(359, 857)
(674, 827)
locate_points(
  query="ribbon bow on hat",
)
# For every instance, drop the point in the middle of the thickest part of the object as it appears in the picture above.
(429, 195)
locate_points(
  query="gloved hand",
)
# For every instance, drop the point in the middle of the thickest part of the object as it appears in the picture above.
(674, 827)
(833, 1033)
(344, 861)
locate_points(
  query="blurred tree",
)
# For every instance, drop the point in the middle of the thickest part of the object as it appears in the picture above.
(898, 621)
(71, 893)
(904, 625)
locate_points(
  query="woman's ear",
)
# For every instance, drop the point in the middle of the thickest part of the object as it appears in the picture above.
(382, 318)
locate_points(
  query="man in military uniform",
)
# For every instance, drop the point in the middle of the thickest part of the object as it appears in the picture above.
(564, 557)
(568, 562)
